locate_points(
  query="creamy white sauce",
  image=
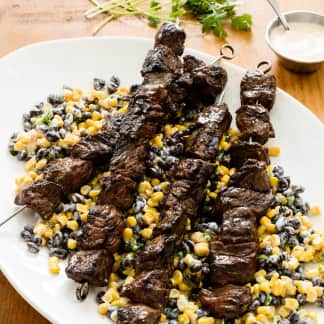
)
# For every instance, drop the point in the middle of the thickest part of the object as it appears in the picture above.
(303, 42)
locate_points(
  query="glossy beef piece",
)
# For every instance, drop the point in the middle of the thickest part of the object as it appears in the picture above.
(208, 82)
(232, 263)
(253, 121)
(212, 123)
(252, 175)
(138, 314)
(194, 170)
(149, 288)
(161, 59)
(238, 226)
(242, 151)
(231, 197)
(157, 253)
(98, 147)
(118, 190)
(42, 196)
(130, 162)
(103, 229)
(226, 302)
(69, 173)
(258, 88)
(93, 266)
(172, 36)
(191, 62)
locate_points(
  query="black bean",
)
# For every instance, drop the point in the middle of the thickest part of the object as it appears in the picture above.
(190, 243)
(58, 252)
(27, 126)
(99, 296)
(172, 313)
(52, 136)
(55, 99)
(34, 112)
(38, 240)
(276, 301)
(317, 281)
(201, 312)
(68, 120)
(284, 321)
(293, 317)
(262, 296)
(181, 265)
(77, 198)
(29, 228)
(32, 247)
(76, 216)
(172, 303)
(26, 236)
(284, 237)
(41, 153)
(284, 184)
(99, 84)
(205, 270)
(112, 309)
(292, 242)
(81, 291)
(113, 84)
(254, 305)
(58, 239)
(69, 207)
(196, 267)
(173, 322)
(76, 234)
(213, 226)
(62, 133)
(22, 155)
(290, 230)
(280, 223)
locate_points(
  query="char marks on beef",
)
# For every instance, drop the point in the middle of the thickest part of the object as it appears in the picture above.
(253, 121)
(157, 253)
(212, 123)
(252, 175)
(226, 302)
(238, 226)
(138, 314)
(242, 151)
(231, 197)
(232, 263)
(41, 195)
(103, 229)
(150, 288)
(69, 173)
(258, 88)
(93, 266)
(172, 36)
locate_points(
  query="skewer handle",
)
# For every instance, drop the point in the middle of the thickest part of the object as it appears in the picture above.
(227, 52)
(264, 66)
(19, 210)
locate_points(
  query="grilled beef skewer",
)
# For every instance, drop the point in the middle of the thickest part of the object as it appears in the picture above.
(233, 258)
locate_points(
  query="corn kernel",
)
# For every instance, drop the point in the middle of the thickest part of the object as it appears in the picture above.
(183, 319)
(103, 308)
(158, 140)
(127, 234)
(147, 233)
(291, 303)
(163, 318)
(223, 170)
(183, 287)
(206, 320)
(164, 185)
(155, 182)
(315, 211)
(71, 244)
(274, 150)
(201, 249)
(145, 188)
(73, 225)
(198, 237)
(121, 302)
(41, 164)
(268, 311)
(177, 277)
(131, 221)
(94, 193)
(30, 164)
(262, 319)
(54, 265)
(274, 181)
(85, 190)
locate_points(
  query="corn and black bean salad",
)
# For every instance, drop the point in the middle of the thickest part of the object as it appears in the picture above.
(287, 240)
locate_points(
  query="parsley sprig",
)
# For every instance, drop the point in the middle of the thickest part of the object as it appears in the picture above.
(211, 14)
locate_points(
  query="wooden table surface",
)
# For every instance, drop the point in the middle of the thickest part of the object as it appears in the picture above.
(27, 21)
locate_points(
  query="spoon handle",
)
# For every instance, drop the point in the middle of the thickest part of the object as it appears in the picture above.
(275, 5)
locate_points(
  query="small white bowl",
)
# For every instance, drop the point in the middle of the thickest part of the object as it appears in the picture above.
(290, 62)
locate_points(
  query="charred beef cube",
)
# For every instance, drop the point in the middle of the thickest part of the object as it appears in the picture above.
(93, 267)
(150, 288)
(253, 121)
(213, 122)
(242, 151)
(233, 263)
(119, 191)
(258, 88)
(99, 147)
(69, 173)
(238, 226)
(161, 59)
(252, 175)
(208, 82)
(130, 162)
(103, 229)
(138, 314)
(157, 253)
(172, 36)
(191, 62)
(230, 197)
(41, 196)
(194, 170)
(226, 302)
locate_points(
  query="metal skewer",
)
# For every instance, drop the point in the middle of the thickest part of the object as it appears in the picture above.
(16, 212)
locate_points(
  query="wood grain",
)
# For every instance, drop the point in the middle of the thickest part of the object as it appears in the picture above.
(24, 22)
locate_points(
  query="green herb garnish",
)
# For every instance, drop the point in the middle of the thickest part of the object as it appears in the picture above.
(134, 245)
(262, 257)
(211, 14)
(46, 118)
